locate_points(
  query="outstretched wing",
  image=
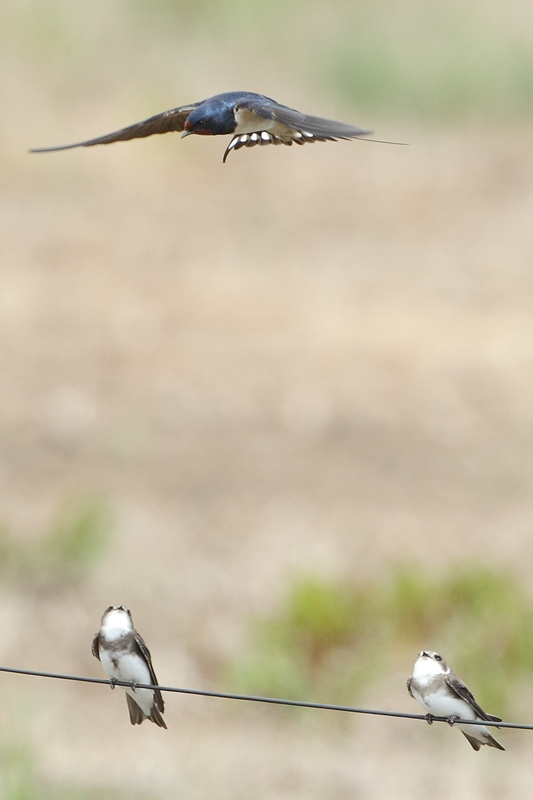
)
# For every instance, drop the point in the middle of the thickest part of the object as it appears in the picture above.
(320, 128)
(277, 124)
(462, 691)
(168, 121)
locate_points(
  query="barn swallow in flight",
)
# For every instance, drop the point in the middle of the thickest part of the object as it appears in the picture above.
(252, 119)
(442, 694)
(125, 657)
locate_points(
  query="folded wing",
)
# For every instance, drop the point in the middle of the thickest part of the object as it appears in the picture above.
(462, 691)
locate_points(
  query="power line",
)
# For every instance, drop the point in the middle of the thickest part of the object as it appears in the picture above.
(258, 699)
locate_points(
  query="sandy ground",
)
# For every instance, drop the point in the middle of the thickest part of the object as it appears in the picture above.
(314, 359)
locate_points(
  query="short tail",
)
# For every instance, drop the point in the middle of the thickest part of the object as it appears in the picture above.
(156, 717)
(137, 715)
(489, 740)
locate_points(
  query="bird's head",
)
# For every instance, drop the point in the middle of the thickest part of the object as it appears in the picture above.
(430, 662)
(211, 118)
(117, 616)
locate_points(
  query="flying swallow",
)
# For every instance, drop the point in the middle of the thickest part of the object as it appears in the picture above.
(125, 657)
(442, 694)
(252, 119)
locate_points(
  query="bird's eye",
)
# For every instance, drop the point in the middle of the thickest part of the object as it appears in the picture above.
(437, 657)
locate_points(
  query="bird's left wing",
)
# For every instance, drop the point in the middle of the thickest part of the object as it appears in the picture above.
(408, 684)
(317, 126)
(172, 120)
(141, 645)
(277, 124)
(462, 691)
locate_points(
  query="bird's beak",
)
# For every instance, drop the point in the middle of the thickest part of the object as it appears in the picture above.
(186, 133)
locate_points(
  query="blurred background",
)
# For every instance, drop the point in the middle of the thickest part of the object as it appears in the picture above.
(282, 408)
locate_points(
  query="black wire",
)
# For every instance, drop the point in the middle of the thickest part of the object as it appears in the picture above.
(257, 699)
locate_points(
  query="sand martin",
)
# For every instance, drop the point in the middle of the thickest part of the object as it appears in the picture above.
(442, 694)
(125, 657)
(253, 119)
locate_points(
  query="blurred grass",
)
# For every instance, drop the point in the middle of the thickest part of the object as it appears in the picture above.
(329, 640)
(408, 59)
(457, 69)
(73, 545)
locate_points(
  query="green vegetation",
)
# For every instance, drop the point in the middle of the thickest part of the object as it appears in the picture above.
(329, 639)
(72, 546)
(434, 61)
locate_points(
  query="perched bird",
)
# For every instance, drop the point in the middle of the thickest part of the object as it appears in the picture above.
(253, 119)
(125, 657)
(442, 694)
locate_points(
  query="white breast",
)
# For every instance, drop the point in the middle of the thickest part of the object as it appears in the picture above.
(248, 122)
(130, 667)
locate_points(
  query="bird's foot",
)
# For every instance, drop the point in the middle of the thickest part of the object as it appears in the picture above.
(429, 718)
(112, 682)
(452, 720)
(134, 685)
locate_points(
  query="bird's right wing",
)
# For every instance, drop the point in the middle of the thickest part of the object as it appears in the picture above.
(408, 684)
(172, 120)
(95, 650)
